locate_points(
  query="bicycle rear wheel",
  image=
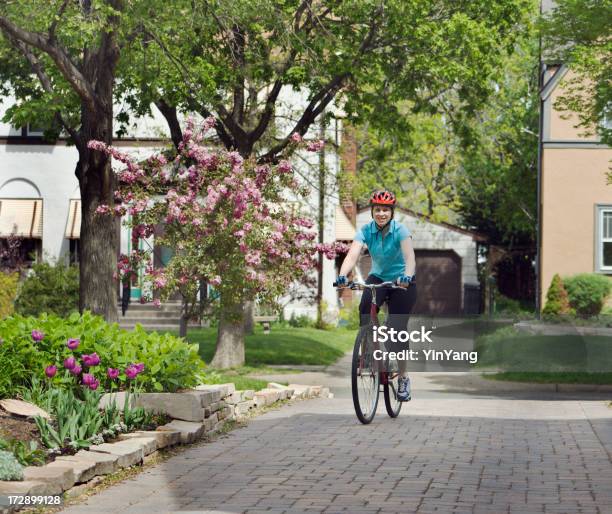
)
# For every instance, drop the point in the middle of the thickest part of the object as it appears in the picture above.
(392, 404)
(365, 379)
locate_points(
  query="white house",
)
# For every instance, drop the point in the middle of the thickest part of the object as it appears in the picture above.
(40, 198)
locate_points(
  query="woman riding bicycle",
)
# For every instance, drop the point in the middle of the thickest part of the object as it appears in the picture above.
(390, 245)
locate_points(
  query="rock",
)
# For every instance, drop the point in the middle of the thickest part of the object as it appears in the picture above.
(25, 409)
(118, 398)
(325, 392)
(185, 406)
(129, 452)
(103, 463)
(210, 422)
(84, 470)
(244, 407)
(234, 398)
(189, 431)
(59, 478)
(275, 385)
(248, 394)
(226, 389)
(148, 443)
(226, 412)
(164, 438)
(27, 487)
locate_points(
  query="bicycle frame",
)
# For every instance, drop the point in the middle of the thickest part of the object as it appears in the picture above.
(384, 375)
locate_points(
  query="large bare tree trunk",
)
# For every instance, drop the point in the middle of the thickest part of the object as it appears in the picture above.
(249, 317)
(230, 338)
(99, 234)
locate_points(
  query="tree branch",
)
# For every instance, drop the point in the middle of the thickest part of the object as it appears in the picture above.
(45, 82)
(65, 65)
(57, 18)
(169, 112)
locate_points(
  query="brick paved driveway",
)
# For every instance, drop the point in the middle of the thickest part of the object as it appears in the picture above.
(463, 451)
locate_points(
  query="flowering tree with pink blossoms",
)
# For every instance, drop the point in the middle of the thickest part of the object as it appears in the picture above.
(225, 219)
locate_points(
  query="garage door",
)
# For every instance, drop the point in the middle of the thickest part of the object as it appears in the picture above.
(439, 281)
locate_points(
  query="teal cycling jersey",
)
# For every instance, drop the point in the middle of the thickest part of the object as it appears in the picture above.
(385, 249)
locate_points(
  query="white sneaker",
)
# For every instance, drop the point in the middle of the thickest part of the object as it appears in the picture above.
(404, 393)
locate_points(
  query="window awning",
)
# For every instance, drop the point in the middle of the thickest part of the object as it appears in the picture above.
(22, 218)
(345, 231)
(73, 227)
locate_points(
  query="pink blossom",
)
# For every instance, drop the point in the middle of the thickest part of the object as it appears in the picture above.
(112, 373)
(88, 379)
(103, 209)
(160, 282)
(94, 384)
(50, 371)
(296, 138)
(284, 167)
(76, 370)
(37, 335)
(157, 302)
(215, 281)
(315, 146)
(70, 363)
(91, 360)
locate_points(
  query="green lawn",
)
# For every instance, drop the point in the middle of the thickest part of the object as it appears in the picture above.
(283, 346)
(546, 359)
(553, 378)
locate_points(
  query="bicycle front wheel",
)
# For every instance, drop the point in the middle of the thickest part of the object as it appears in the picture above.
(392, 404)
(365, 379)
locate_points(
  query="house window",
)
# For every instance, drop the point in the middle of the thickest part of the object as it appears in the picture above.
(33, 130)
(604, 238)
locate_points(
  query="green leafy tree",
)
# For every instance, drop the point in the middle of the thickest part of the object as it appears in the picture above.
(557, 299)
(59, 60)
(234, 59)
(577, 32)
(422, 165)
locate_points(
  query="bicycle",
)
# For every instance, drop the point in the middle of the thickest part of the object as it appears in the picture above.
(366, 375)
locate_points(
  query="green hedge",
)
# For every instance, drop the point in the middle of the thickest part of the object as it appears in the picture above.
(8, 291)
(170, 363)
(587, 293)
(50, 288)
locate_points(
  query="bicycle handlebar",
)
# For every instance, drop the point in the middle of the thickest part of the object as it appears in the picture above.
(363, 285)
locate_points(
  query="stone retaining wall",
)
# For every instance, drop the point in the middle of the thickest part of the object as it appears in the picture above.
(196, 413)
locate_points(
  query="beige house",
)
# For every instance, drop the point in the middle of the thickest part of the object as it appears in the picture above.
(575, 231)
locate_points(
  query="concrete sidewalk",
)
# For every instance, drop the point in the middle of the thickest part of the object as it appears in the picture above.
(456, 448)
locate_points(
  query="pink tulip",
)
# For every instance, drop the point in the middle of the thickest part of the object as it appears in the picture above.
(112, 373)
(73, 344)
(94, 384)
(70, 363)
(139, 367)
(91, 360)
(37, 335)
(130, 372)
(50, 371)
(88, 379)
(76, 370)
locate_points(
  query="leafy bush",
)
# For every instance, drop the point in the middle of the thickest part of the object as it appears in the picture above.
(51, 288)
(10, 469)
(301, 321)
(349, 316)
(26, 453)
(587, 293)
(8, 290)
(169, 363)
(557, 299)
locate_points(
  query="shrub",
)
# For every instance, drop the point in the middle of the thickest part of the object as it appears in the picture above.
(349, 316)
(301, 321)
(8, 290)
(169, 362)
(50, 288)
(557, 299)
(587, 293)
(10, 469)
(26, 453)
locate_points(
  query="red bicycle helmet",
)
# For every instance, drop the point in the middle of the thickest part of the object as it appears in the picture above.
(382, 197)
